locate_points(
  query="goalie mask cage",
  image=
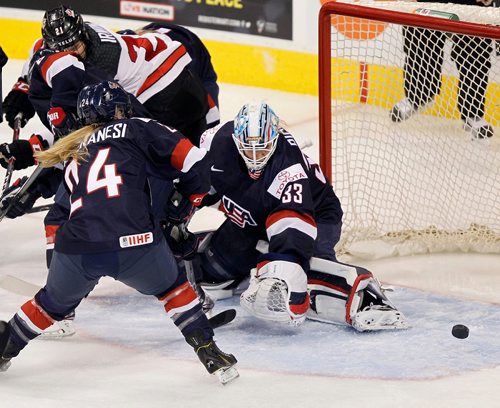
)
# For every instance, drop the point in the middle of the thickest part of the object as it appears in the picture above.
(423, 184)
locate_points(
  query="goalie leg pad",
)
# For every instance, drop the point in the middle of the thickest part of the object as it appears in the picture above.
(345, 294)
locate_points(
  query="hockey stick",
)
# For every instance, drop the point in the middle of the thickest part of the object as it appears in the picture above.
(18, 286)
(39, 208)
(10, 166)
(21, 192)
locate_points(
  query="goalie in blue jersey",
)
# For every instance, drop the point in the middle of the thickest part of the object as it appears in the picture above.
(275, 196)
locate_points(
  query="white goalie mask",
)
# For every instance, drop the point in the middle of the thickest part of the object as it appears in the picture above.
(256, 134)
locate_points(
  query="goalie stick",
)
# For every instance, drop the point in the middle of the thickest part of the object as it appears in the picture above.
(10, 166)
(21, 287)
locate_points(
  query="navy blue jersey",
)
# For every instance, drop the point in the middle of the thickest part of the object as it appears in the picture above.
(56, 79)
(110, 202)
(284, 204)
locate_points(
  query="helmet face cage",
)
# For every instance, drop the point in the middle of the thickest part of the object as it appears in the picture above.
(256, 134)
(62, 27)
(101, 103)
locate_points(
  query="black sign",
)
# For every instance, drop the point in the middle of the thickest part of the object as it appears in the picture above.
(268, 18)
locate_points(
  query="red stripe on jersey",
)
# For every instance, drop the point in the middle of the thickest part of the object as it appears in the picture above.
(180, 296)
(51, 59)
(180, 153)
(38, 44)
(279, 215)
(50, 233)
(328, 285)
(211, 102)
(37, 315)
(162, 69)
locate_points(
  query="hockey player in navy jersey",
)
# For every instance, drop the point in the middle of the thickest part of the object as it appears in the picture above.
(270, 191)
(110, 231)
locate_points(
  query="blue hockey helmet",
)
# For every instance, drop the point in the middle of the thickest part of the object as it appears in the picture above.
(62, 27)
(103, 102)
(256, 130)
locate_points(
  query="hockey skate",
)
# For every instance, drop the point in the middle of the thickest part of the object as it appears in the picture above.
(379, 317)
(214, 360)
(478, 128)
(8, 349)
(64, 328)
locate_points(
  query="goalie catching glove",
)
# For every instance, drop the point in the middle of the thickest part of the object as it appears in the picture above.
(277, 291)
(22, 152)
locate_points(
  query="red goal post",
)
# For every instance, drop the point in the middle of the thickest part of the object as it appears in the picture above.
(448, 231)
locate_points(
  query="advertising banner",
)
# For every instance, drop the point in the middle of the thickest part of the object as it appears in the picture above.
(266, 18)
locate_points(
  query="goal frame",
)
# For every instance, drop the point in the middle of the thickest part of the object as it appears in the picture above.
(380, 15)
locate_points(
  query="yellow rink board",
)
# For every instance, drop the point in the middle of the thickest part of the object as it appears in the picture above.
(281, 70)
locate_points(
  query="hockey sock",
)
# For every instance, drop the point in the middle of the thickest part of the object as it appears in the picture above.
(184, 308)
(29, 322)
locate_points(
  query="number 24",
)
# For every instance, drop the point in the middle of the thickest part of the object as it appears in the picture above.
(111, 180)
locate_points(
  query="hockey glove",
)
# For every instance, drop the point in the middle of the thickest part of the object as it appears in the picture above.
(22, 152)
(179, 210)
(183, 243)
(17, 101)
(18, 206)
(61, 122)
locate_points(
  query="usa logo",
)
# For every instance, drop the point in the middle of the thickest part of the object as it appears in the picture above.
(236, 213)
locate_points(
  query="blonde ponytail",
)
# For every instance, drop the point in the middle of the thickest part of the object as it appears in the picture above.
(72, 146)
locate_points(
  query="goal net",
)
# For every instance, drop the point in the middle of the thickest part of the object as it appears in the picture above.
(410, 125)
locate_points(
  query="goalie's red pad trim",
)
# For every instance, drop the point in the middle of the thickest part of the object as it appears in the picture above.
(328, 285)
(37, 315)
(351, 296)
(302, 308)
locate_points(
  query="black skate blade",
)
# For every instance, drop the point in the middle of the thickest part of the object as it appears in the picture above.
(222, 318)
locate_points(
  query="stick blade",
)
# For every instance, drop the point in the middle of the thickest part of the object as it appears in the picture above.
(18, 286)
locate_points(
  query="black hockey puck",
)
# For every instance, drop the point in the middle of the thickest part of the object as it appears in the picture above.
(460, 331)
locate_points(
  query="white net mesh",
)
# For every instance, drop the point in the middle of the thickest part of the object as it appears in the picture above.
(427, 176)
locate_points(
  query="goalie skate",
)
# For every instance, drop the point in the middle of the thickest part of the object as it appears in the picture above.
(379, 317)
(64, 328)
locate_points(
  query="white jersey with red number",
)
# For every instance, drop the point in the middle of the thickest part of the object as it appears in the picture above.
(147, 64)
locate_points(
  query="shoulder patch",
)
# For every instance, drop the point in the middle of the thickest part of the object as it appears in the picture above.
(284, 177)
